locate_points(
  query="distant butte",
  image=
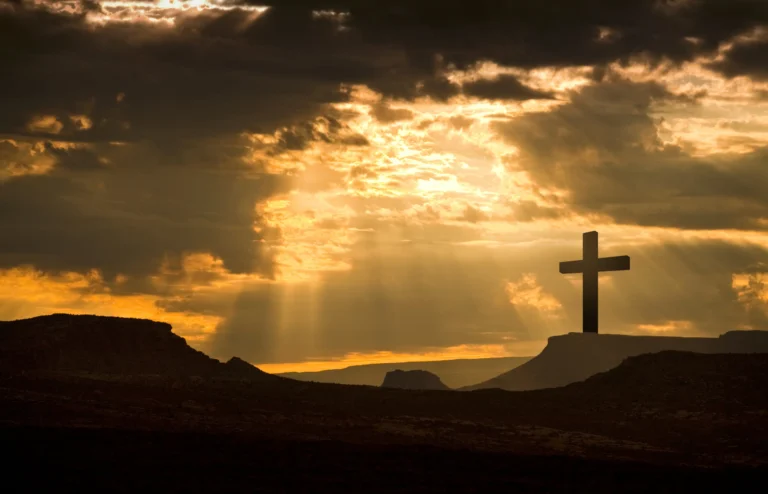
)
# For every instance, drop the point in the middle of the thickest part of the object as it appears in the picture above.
(413, 379)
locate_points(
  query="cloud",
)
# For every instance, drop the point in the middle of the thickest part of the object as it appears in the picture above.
(327, 128)
(127, 137)
(528, 293)
(603, 148)
(123, 209)
(544, 33)
(46, 124)
(221, 70)
(387, 114)
(210, 72)
(746, 58)
(503, 87)
(752, 291)
(23, 158)
(473, 215)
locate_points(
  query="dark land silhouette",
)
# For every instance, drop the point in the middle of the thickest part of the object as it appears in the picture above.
(110, 345)
(576, 356)
(454, 373)
(413, 379)
(669, 421)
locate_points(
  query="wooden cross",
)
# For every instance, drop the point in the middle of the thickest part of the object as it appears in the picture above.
(590, 265)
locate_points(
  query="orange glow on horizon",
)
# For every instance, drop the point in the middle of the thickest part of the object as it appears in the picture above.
(518, 349)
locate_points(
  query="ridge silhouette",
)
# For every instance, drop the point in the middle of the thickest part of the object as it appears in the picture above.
(675, 419)
(577, 356)
(110, 345)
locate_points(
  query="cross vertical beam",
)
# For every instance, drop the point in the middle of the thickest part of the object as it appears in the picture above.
(589, 266)
(589, 270)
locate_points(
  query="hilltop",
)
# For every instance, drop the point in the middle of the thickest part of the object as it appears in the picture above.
(109, 345)
(577, 356)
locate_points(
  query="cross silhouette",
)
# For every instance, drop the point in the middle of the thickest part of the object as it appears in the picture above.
(590, 265)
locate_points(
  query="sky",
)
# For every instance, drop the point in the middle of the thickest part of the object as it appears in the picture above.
(309, 184)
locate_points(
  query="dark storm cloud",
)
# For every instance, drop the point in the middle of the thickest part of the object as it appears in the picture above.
(229, 71)
(326, 129)
(603, 148)
(232, 71)
(546, 32)
(74, 159)
(745, 58)
(119, 210)
(176, 98)
(203, 77)
(503, 87)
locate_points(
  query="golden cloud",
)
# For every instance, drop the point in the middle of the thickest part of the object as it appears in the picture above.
(26, 292)
(528, 293)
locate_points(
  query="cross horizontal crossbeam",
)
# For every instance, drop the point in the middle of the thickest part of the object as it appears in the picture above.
(617, 263)
(589, 266)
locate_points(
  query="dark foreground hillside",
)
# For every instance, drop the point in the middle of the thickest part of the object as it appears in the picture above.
(127, 461)
(664, 422)
(669, 422)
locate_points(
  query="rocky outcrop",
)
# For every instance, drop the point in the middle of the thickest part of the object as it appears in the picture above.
(240, 369)
(412, 379)
(577, 356)
(454, 373)
(108, 345)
